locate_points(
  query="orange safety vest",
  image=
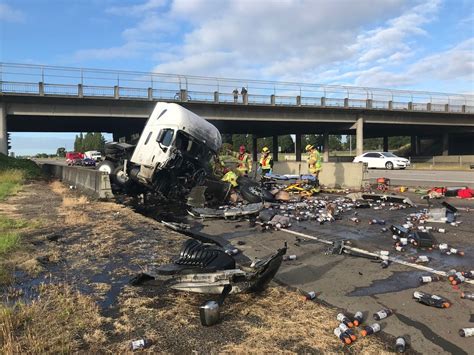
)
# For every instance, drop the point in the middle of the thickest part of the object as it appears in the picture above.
(265, 162)
(244, 164)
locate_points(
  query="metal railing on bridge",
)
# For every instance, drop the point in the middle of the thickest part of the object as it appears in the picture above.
(42, 80)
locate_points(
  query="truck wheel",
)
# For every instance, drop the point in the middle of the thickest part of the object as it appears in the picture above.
(106, 166)
(120, 177)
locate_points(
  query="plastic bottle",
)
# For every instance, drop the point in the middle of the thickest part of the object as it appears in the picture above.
(466, 332)
(358, 318)
(343, 336)
(431, 300)
(456, 251)
(384, 229)
(311, 295)
(421, 259)
(383, 313)
(140, 344)
(289, 257)
(343, 319)
(345, 329)
(468, 274)
(370, 329)
(385, 264)
(467, 295)
(458, 278)
(355, 220)
(399, 248)
(428, 279)
(400, 345)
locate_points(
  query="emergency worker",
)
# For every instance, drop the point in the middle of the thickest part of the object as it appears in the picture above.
(266, 162)
(244, 166)
(314, 160)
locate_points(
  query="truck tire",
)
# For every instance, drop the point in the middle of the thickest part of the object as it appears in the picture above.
(106, 166)
(119, 176)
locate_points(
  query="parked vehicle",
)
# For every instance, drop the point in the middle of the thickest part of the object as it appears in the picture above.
(88, 162)
(382, 160)
(93, 154)
(74, 158)
(172, 156)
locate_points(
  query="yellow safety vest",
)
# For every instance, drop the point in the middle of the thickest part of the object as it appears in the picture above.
(265, 162)
(245, 164)
(314, 162)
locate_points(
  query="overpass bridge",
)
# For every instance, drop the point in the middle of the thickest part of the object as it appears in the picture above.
(35, 98)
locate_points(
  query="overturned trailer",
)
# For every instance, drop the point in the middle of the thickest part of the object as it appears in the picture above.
(173, 153)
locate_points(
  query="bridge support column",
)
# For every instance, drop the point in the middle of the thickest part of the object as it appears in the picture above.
(298, 146)
(326, 147)
(445, 144)
(359, 135)
(275, 148)
(385, 143)
(3, 129)
(415, 145)
(254, 148)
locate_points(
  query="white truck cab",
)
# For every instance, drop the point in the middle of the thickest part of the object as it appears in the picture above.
(173, 152)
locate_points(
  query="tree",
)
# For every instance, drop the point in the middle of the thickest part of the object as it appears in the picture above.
(61, 152)
(314, 139)
(335, 142)
(286, 143)
(91, 141)
(79, 143)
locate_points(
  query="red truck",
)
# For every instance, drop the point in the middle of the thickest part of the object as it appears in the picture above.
(74, 158)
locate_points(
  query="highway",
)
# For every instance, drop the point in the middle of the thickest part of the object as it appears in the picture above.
(425, 178)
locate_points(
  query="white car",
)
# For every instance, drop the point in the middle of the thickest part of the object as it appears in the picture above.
(383, 160)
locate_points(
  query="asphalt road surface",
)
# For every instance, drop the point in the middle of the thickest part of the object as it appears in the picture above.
(425, 178)
(358, 284)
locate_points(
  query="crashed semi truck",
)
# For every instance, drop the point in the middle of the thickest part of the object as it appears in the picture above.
(173, 153)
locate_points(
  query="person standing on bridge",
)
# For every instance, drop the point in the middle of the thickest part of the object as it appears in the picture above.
(236, 95)
(244, 166)
(314, 160)
(266, 162)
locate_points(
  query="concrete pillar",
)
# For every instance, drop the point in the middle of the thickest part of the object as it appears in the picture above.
(150, 94)
(254, 148)
(385, 143)
(359, 135)
(326, 147)
(275, 148)
(116, 92)
(216, 97)
(3, 129)
(272, 100)
(415, 145)
(445, 144)
(298, 146)
(183, 94)
(80, 90)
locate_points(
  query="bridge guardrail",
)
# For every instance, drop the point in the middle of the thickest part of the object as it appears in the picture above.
(43, 80)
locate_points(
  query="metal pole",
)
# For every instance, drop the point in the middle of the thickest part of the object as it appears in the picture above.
(350, 144)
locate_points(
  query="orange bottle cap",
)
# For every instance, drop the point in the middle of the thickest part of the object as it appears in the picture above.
(363, 333)
(347, 341)
(350, 324)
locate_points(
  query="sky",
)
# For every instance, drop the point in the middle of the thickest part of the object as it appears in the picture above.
(418, 44)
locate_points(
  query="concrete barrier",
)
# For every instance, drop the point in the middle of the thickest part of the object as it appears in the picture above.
(89, 181)
(345, 175)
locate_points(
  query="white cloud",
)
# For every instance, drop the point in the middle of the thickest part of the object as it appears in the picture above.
(136, 10)
(9, 14)
(128, 50)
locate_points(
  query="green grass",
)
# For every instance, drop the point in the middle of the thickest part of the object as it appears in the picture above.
(8, 223)
(10, 182)
(9, 241)
(28, 167)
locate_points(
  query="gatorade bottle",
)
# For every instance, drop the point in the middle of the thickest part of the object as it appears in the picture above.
(341, 335)
(466, 332)
(140, 344)
(458, 278)
(400, 345)
(358, 318)
(431, 300)
(468, 295)
(455, 251)
(370, 329)
(428, 279)
(384, 313)
(289, 257)
(468, 274)
(343, 319)
(345, 329)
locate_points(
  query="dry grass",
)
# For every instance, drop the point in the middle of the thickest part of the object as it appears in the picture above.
(61, 320)
(10, 182)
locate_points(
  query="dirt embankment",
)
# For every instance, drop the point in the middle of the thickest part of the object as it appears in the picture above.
(69, 289)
